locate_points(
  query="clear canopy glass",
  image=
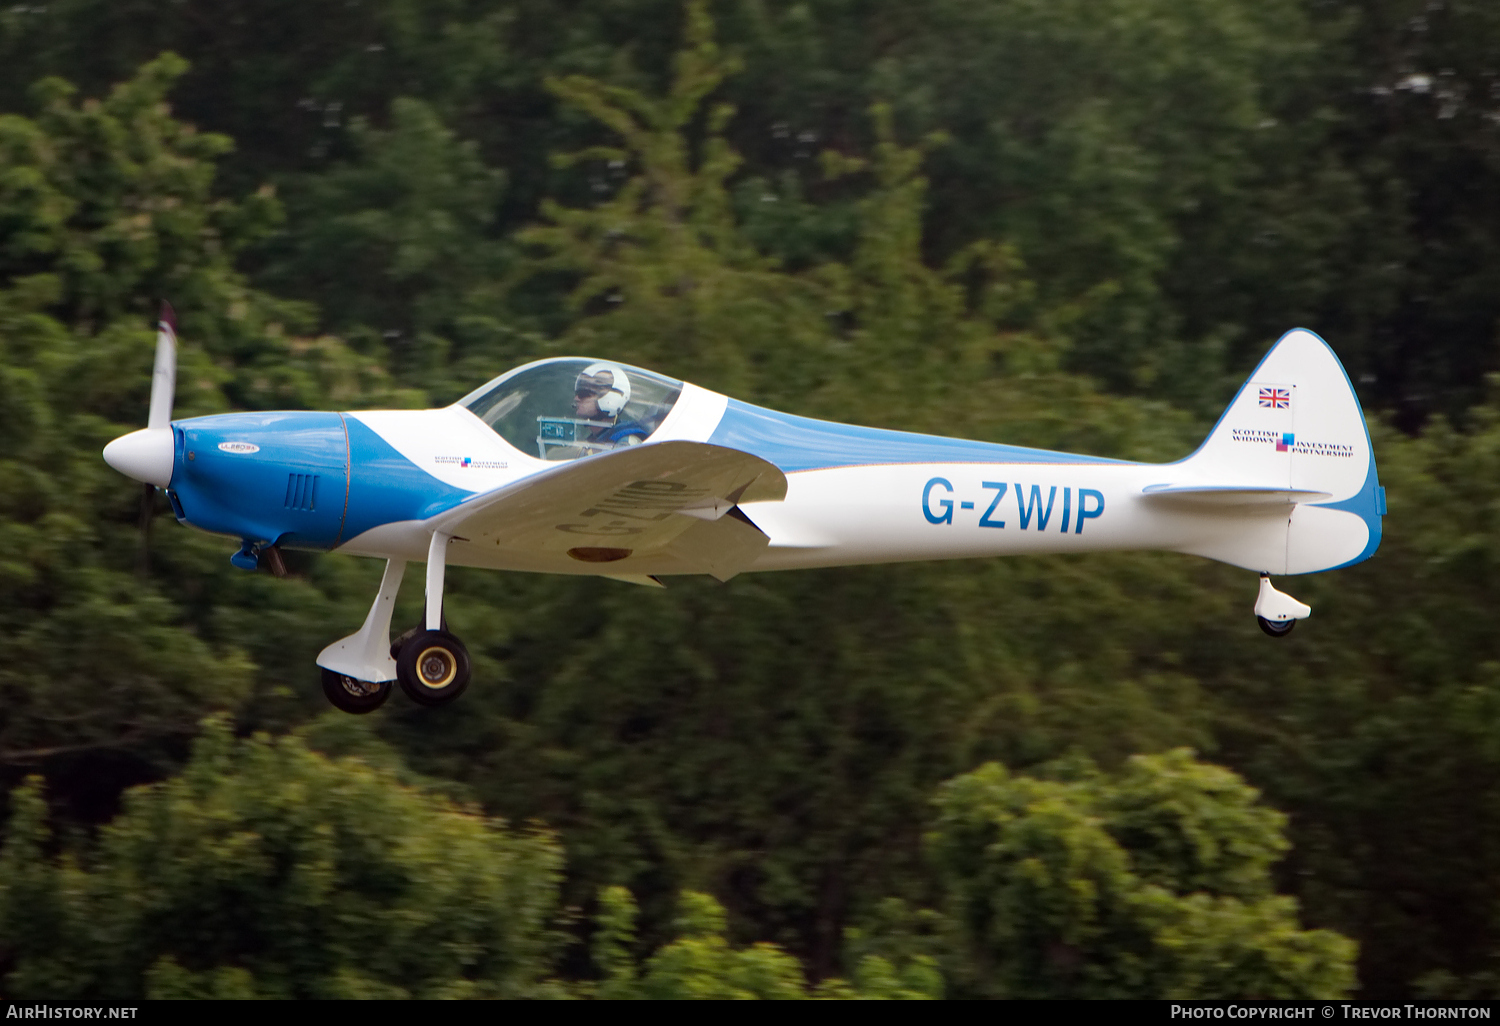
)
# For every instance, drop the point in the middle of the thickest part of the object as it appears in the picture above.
(569, 407)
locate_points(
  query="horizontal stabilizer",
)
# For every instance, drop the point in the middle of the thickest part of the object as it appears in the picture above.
(1234, 495)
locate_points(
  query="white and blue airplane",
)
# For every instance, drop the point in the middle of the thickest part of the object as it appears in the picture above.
(579, 466)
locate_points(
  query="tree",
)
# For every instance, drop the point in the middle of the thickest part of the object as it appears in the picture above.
(700, 964)
(106, 206)
(1151, 883)
(662, 248)
(1406, 97)
(396, 248)
(267, 870)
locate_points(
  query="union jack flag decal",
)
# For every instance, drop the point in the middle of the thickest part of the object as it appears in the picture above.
(1276, 398)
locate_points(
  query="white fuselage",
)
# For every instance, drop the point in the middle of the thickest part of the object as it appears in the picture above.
(882, 514)
(848, 515)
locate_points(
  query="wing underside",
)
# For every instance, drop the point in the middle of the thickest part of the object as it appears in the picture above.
(668, 507)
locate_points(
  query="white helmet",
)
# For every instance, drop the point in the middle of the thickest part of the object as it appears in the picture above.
(607, 383)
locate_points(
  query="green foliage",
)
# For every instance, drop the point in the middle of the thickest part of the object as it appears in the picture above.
(267, 870)
(395, 245)
(701, 965)
(107, 204)
(669, 277)
(1155, 883)
(692, 294)
(1183, 182)
(1061, 147)
(1408, 103)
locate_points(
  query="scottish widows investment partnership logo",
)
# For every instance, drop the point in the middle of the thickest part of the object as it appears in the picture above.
(1286, 441)
(468, 462)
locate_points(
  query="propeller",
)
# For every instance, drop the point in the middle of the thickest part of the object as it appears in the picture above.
(164, 373)
(147, 455)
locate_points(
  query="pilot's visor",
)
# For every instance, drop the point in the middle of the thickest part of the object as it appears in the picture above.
(594, 384)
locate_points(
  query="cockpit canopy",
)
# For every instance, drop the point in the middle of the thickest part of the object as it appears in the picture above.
(568, 407)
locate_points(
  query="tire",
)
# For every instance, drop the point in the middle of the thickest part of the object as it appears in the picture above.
(353, 695)
(433, 668)
(1276, 630)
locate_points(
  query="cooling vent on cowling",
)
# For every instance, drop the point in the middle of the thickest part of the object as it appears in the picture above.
(302, 491)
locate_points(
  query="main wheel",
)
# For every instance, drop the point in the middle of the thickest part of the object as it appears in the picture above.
(1274, 628)
(433, 668)
(353, 695)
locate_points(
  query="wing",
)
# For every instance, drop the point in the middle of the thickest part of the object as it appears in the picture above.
(672, 498)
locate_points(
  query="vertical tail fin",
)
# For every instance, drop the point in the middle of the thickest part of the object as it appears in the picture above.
(1295, 427)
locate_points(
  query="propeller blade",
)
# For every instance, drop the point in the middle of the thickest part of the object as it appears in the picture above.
(147, 455)
(148, 512)
(164, 374)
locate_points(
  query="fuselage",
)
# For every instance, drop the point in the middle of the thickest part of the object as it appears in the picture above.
(365, 483)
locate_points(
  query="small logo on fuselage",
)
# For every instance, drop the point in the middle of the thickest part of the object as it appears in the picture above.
(1286, 441)
(242, 448)
(468, 461)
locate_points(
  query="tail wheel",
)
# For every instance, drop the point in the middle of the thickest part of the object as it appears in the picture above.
(433, 668)
(1275, 628)
(353, 695)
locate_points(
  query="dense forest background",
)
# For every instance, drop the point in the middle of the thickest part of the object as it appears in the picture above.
(1073, 224)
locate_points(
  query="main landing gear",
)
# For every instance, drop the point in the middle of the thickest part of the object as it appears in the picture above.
(433, 668)
(1278, 613)
(430, 664)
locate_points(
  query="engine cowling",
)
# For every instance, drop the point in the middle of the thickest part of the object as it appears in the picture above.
(272, 478)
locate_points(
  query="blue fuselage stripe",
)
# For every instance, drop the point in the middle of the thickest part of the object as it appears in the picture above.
(386, 487)
(795, 443)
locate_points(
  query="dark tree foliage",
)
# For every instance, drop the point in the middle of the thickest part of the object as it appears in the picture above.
(1154, 882)
(265, 870)
(1186, 182)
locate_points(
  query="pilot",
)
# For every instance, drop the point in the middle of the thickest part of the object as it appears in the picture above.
(599, 394)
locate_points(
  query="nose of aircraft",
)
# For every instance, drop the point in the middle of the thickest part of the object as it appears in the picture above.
(145, 455)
